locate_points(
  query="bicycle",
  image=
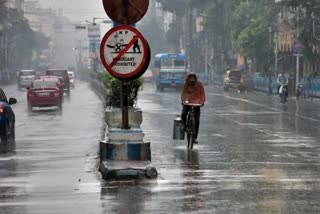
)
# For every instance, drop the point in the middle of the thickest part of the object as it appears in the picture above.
(190, 128)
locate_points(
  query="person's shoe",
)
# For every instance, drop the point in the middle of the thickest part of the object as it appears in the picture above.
(196, 141)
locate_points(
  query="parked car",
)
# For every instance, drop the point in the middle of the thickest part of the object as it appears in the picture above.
(45, 92)
(60, 72)
(71, 78)
(234, 79)
(25, 78)
(7, 118)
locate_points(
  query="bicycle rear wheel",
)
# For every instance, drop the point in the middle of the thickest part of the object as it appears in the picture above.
(188, 130)
(188, 138)
(192, 133)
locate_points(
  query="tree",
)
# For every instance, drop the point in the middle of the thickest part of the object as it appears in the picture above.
(150, 28)
(184, 24)
(253, 36)
(305, 20)
(177, 7)
(23, 41)
(218, 24)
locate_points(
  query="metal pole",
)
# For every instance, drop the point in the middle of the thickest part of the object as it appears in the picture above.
(94, 48)
(80, 55)
(297, 71)
(1, 56)
(124, 104)
(124, 83)
(276, 55)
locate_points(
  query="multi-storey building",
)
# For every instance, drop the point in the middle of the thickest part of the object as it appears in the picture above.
(16, 4)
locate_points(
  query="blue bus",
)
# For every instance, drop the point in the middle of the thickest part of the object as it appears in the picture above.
(170, 70)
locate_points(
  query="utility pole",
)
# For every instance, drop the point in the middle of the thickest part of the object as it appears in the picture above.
(297, 46)
(276, 54)
(124, 83)
(80, 55)
(94, 38)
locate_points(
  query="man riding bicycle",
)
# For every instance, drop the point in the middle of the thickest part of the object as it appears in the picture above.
(193, 92)
(282, 79)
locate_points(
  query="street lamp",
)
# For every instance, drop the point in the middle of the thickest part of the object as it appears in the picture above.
(104, 20)
(4, 49)
(94, 36)
(270, 31)
(269, 61)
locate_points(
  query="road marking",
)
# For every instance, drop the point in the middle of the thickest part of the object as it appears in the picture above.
(265, 106)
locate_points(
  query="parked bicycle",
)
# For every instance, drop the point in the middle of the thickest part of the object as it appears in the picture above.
(190, 127)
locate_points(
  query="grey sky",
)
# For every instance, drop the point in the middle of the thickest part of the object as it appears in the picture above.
(77, 10)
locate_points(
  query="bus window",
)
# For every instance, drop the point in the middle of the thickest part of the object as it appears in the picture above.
(179, 63)
(157, 63)
(166, 63)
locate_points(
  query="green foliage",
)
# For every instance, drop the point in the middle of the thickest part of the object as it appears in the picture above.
(114, 85)
(218, 24)
(150, 28)
(253, 37)
(21, 40)
(181, 7)
(178, 7)
(303, 21)
(173, 34)
(240, 25)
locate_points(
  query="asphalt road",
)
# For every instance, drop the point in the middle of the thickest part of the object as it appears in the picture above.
(55, 156)
(255, 155)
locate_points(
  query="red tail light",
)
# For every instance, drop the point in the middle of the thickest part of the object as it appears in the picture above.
(56, 94)
(1, 110)
(30, 94)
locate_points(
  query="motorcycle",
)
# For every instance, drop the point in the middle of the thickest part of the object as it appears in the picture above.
(283, 91)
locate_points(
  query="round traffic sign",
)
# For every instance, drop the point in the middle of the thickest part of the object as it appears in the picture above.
(126, 11)
(139, 74)
(124, 52)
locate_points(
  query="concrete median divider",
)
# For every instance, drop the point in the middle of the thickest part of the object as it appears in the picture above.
(123, 152)
(99, 88)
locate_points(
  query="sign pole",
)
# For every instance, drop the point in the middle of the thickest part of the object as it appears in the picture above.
(276, 56)
(297, 71)
(124, 104)
(124, 83)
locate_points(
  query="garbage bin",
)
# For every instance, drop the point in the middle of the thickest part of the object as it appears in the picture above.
(178, 129)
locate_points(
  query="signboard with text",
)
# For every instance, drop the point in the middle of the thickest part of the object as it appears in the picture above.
(124, 52)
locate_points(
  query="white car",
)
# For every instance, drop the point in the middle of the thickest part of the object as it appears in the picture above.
(25, 78)
(71, 78)
(148, 76)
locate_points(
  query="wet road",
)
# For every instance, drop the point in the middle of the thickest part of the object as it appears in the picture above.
(254, 156)
(53, 151)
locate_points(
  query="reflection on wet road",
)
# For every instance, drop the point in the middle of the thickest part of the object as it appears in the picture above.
(53, 151)
(254, 156)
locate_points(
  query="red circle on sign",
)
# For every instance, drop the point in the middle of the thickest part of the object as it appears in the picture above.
(145, 67)
(110, 65)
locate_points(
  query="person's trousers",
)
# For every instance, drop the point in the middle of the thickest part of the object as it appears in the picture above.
(197, 112)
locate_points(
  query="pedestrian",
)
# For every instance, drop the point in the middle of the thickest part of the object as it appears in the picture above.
(193, 93)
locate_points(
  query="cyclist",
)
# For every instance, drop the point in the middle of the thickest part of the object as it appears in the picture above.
(193, 92)
(282, 79)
